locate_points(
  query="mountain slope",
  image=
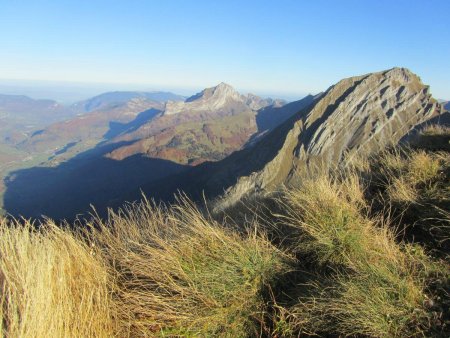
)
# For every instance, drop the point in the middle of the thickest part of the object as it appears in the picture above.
(19, 117)
(358, 115)
(98, 118)
(361, 114)
(208, 126)
(110, 99)
(93, 127)
(21, 114)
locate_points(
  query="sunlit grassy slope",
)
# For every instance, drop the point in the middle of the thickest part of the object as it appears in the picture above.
(362, 251)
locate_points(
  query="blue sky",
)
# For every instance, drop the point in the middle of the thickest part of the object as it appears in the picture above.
(281, 47)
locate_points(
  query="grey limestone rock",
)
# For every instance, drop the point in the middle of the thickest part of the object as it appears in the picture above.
(359, 114)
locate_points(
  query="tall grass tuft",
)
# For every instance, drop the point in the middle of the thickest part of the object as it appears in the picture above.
(180, 273)
(409, 176)
(375, 287)
(52, 284)
(330, 217)
(414, 185)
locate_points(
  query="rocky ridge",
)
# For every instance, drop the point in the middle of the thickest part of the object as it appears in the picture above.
(358, 114)
(222, 96)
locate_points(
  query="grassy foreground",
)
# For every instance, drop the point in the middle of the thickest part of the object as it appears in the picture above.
(362, 252)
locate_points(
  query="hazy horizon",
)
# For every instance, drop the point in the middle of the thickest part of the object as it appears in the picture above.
(284, 48)
(69, 92)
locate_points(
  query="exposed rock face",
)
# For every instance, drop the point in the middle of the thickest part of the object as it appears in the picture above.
(213, 98)
(358, 114)
(221, 97)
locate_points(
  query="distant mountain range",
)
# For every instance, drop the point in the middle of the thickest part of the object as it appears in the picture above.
(19, 117)
(22, 118)
(218, 143)
(36, 132)
(110, 100)
(128, 127)
(20, 114)
(207, 127)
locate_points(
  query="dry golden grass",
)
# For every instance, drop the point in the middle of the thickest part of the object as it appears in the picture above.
(433, 137)
(407, 175)
(413, 186)
(52, 284)
(147, 271)
(436, 129)
(378, 301)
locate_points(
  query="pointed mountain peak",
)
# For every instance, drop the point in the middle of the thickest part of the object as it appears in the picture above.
(209, 99)
(223, 85)
(400, 70)
(222, 90)
(401, 74)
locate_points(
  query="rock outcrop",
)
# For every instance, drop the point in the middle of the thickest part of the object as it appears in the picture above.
(221, 97)
(209, 99)
(358, 114)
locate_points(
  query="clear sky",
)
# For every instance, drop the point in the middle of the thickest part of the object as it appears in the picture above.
(267, 47)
